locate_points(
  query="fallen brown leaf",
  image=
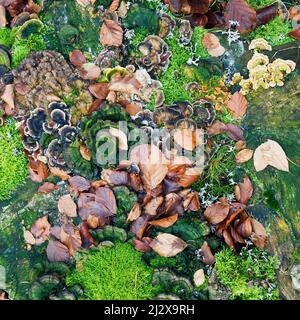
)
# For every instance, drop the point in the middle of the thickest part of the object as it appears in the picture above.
(237, 105)
(244, 156)
(47, 187)
(111, 34)
(134, 213)
(167, 245)
(244, 190)
(208, 257)
(164, 222)
(217, 212)
(57, 252)
(67, 206)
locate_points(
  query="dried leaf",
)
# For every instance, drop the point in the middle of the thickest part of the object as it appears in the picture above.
(139, 226)
(265, 14)
(111, 34)
(127, 84)
(67, 206)
(295, 34)
(242, 12)
(59, 173)
(8, 97)
(212, 43)
(41, 230)
(29, 238)
(90, 71)
(189, 177)
(199, 277)
(244, 156)
(115, 178)
(216, 128)
(77, 58)
(3, 20)
(142, 245)
(106, 197)
(152, 206)
(164, 222)
(228, 239)
(270, 153)
(70, 237)
(47, 187)
(245, 228)
(122, 11)
(217, 212)
(244, 191)
(57, 252)
(167, 245)
(79, 183)
(86, 237)
(99, 90)
(153, 174)
(237, 105)
(114, 6)
(234, 132)
(85, 152)
(187, 138)
(208, 257)
(134, 213)
(259, 235)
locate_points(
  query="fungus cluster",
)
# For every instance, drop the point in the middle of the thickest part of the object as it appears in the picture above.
(263, 73)
(155, 54)
(44, 77)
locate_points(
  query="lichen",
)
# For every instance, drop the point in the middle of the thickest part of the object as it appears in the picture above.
(250, 275)
(13, 163)
(116, 273)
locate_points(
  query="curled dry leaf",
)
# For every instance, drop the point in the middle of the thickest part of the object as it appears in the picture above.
(99, 90)
(167, 245)
(237, 105)
(86, 237)
(142, 245)
(3, 20)
(67, 206)
(259, 235)
(234, 132)
(216, 128)
(152, 206)
(134, 213)
(153, 174)
(244, 156)
(208, 257)
(164, 222)
(79, 183)
(217, 212)
(41, 230)
(121, 136)
(85, 152)
(244, 190)
(190, 176)
(245, 228)
(111, 34)
(77, 58)
(47, 187)
(70, 237)
(57, 252)
(228, 239)
(139, 226)
(270, 153)
(173, 204)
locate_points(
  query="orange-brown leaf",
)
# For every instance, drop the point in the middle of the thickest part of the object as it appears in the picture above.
(111, 34)
(237, 105)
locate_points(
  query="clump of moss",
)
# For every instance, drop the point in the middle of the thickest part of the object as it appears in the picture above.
(199, 50)
(250, 275)
(257, 4)
(13, 163)
(275, 32)
(7, 37)
(217, 180)
(116, 273)
(22, 47)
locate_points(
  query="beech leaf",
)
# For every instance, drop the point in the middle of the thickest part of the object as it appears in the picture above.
(165, 222)
(57, 252)
(244, 156)
(270, 153)
(167, 245)
(217, 212)
(237, 105)
(244, 190)
(79, 183)
(111, 34)
(67, 206)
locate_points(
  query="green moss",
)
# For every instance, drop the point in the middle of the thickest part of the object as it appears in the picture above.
(275, 32)
(199, 50)
(7, 37)
(245, 274)
(139, 35)
(117, 273)
(257, 4)
(22, 47)
(13, 163)
(216, 179)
